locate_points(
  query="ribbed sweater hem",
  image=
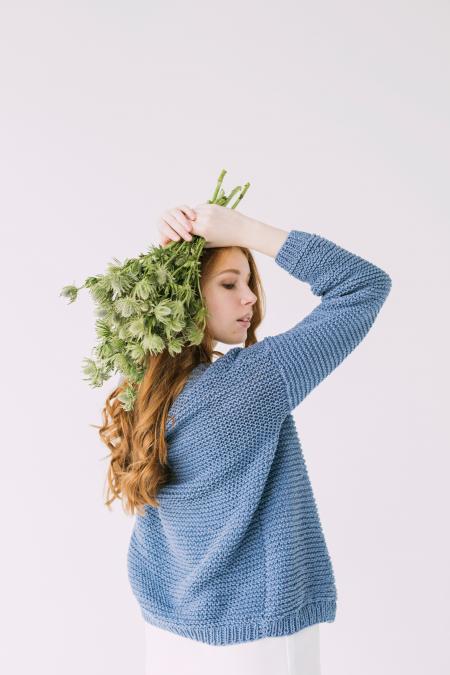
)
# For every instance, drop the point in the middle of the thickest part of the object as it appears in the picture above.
(318, 611)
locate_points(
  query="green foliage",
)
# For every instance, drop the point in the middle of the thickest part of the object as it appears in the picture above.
(146, 305)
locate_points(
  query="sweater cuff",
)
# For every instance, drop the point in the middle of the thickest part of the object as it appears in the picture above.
(293, 249)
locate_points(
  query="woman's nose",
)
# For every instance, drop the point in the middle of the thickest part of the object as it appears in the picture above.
(249, 299)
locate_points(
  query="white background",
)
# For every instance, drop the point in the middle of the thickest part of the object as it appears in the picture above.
(338, 115)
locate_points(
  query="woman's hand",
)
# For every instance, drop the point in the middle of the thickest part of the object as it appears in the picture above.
(176, 223)
(218, 225)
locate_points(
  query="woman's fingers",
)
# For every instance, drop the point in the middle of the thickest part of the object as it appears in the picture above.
(176, 223)
(165, 240)
(172, 230)
(181, 218)
(167, 233)
(188, 211)
(179, 228)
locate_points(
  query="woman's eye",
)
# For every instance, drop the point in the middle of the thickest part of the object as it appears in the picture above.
(228, 285)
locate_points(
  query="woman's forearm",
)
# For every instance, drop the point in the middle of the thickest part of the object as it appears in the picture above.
(261, 237)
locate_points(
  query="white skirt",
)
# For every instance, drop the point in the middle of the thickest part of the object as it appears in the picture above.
(167, 653)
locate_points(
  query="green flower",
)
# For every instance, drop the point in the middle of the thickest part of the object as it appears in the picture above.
(145, 305)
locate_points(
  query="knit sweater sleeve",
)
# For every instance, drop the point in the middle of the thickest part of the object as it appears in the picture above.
(352, 292)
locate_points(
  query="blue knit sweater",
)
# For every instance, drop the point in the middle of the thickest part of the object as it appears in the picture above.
(236, 550)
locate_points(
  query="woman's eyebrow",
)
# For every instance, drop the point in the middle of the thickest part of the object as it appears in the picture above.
(231, 269)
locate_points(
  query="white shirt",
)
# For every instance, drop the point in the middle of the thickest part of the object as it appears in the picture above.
(168, 653)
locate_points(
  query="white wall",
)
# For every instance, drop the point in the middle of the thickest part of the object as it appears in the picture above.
(338, 114)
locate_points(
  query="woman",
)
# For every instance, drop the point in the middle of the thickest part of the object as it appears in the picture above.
(229, 562)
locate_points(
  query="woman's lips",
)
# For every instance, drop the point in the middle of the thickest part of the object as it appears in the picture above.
(244, 322)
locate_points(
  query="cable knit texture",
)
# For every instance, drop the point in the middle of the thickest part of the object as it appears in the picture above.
(236, 551)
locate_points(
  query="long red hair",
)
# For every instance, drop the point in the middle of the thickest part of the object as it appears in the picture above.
(138, 459)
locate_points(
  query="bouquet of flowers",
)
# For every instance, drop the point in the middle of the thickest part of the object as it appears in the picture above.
(147, 304)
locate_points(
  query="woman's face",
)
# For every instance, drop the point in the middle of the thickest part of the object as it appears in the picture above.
(228, 297)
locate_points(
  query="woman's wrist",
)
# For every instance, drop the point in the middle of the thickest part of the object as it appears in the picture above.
(260, 236)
